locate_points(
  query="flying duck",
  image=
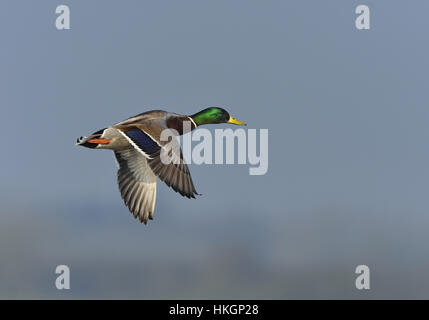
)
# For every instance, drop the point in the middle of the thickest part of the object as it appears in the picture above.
(138, 148)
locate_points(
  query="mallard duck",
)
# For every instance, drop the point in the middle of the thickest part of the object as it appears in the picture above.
(136, 143)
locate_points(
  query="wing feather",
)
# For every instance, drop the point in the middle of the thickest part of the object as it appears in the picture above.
(137, 183)
(174, 174)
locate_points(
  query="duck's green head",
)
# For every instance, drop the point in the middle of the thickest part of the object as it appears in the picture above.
(214, 115)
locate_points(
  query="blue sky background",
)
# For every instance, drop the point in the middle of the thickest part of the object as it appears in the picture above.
(348, 179)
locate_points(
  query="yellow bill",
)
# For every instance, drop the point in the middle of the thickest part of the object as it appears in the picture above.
(235, 121)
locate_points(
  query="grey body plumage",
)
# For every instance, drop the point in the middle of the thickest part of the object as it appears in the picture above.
(138, 170)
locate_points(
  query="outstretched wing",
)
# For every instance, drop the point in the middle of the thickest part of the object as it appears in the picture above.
(175, 173)
(137, 183)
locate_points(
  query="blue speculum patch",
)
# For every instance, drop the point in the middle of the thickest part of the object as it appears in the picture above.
(143, 141)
